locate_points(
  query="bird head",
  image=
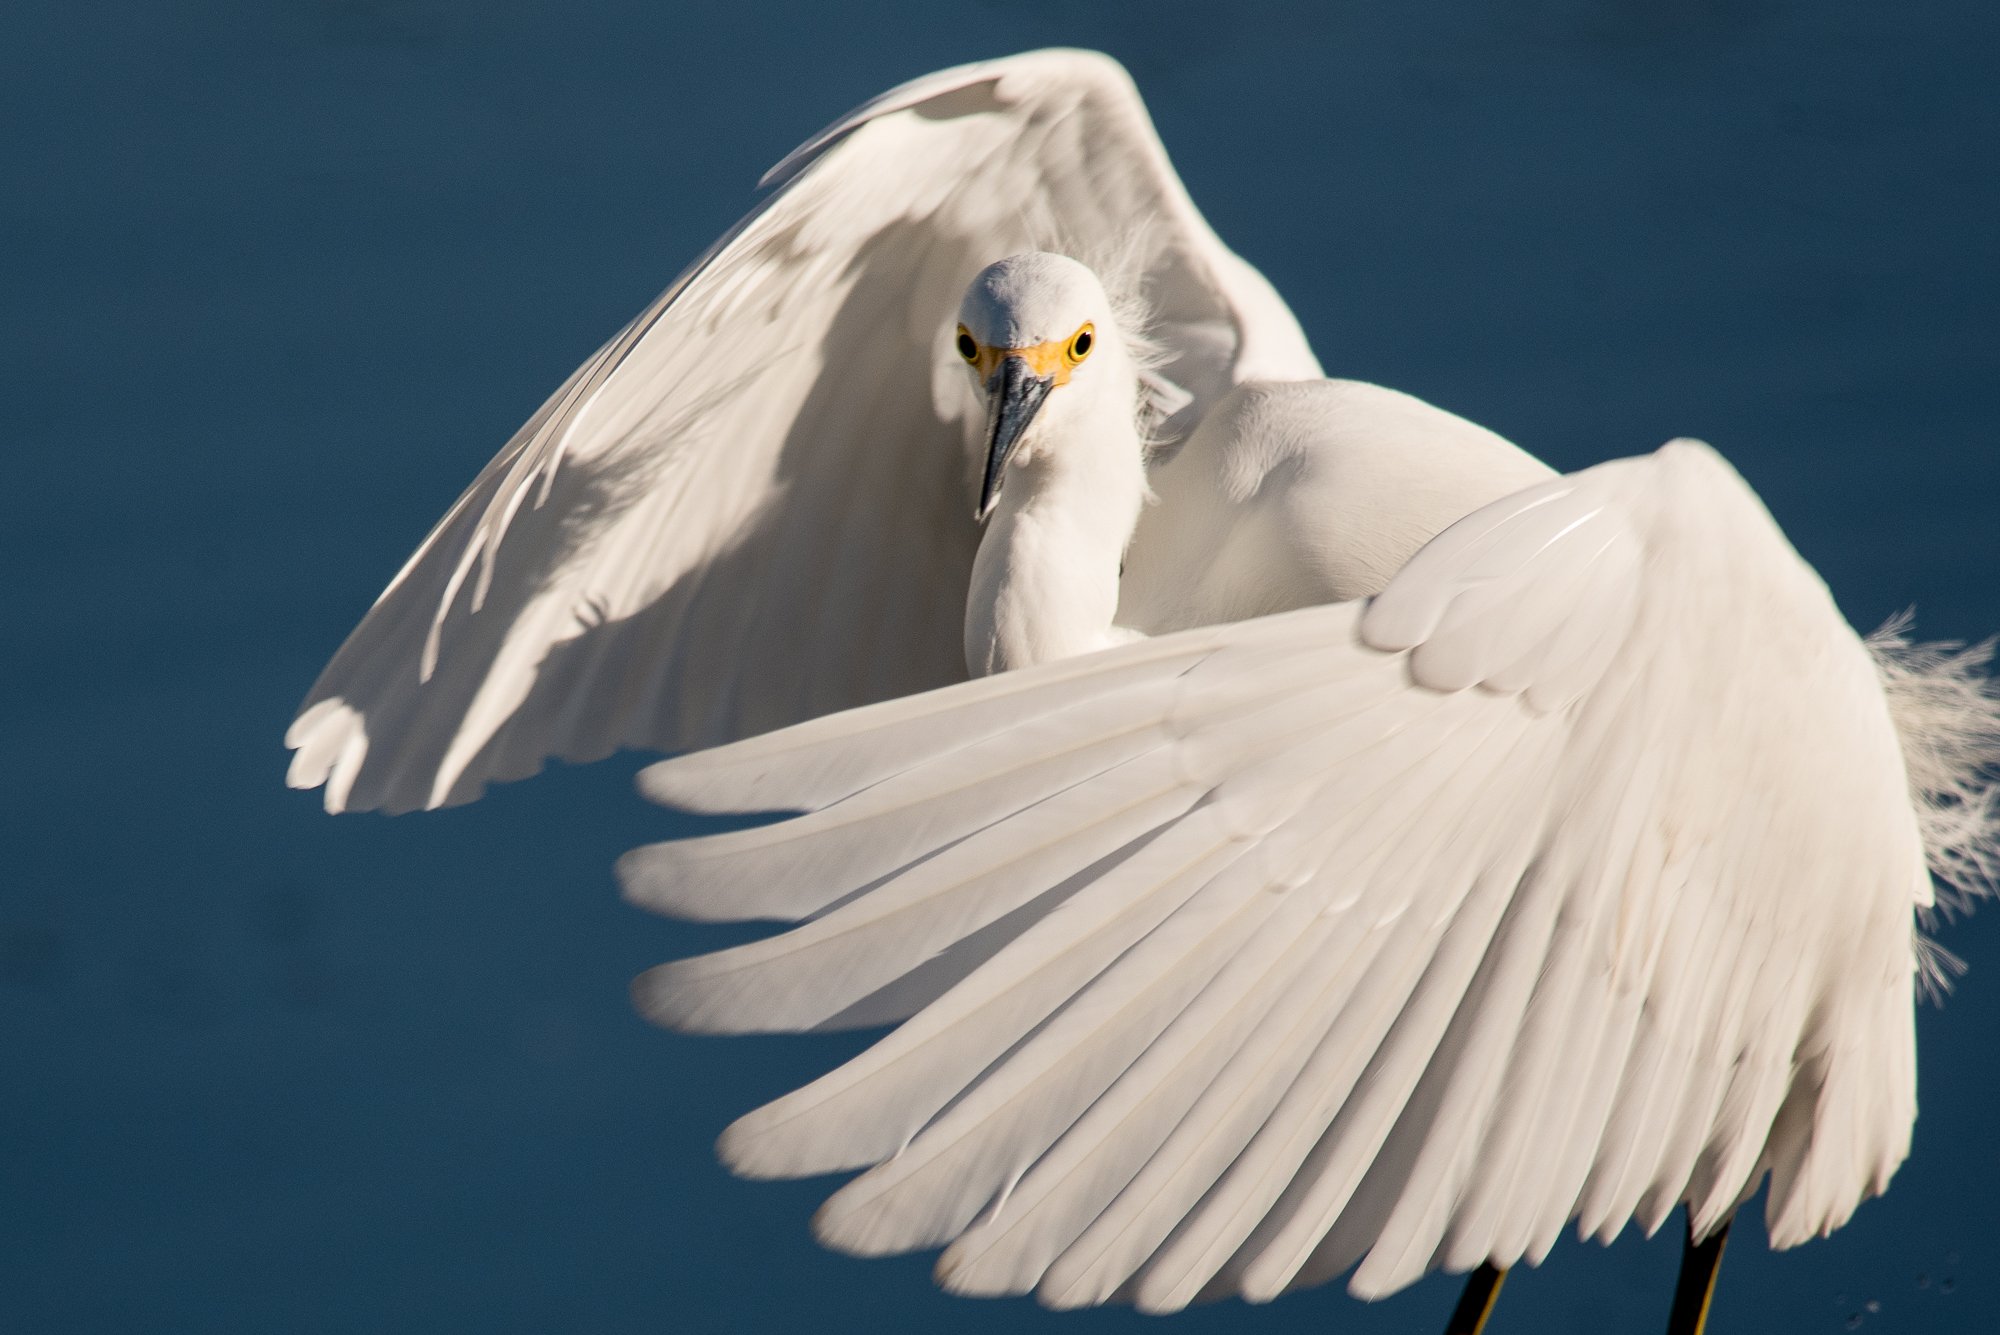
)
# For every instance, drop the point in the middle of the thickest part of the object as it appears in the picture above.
(1029, 329)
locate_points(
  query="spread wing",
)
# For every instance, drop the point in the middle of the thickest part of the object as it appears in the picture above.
(1572, 877)
(751, 506)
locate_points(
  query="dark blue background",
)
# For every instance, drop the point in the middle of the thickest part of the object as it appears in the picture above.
(278, 277)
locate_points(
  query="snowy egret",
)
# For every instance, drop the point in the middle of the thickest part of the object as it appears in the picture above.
(1408, 852)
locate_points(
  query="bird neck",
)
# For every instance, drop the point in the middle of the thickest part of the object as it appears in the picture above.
(1045, 581)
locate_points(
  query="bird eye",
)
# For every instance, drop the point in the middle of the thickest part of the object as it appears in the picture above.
(1079, 345)
(966, 347)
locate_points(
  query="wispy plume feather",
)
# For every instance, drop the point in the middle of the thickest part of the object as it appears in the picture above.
(1946, 708)
(1126, 266)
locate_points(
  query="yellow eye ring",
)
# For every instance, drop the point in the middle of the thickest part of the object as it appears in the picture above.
(1079, 344)
(967, 347)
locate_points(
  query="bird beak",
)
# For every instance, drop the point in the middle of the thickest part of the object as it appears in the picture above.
(1014, 395)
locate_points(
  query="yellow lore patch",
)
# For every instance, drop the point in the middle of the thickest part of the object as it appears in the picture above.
(1053, 360)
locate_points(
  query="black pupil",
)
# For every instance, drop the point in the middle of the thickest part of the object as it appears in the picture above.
(966, 347)
(1082, 344)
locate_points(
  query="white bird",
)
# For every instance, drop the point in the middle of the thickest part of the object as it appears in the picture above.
(1362, 848)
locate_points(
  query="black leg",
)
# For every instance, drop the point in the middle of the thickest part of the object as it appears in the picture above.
(1482, 1288)
(1699, 1263)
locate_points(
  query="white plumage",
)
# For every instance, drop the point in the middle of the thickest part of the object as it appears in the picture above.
(1233, 957)
(1408, 852)
(746, 509)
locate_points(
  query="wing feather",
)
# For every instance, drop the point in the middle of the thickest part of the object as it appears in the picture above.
(1571, 878)
(719, 520)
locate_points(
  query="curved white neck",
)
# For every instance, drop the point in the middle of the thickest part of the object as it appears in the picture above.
(1045, 582)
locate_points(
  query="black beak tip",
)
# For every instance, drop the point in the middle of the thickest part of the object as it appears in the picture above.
(988, 499)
